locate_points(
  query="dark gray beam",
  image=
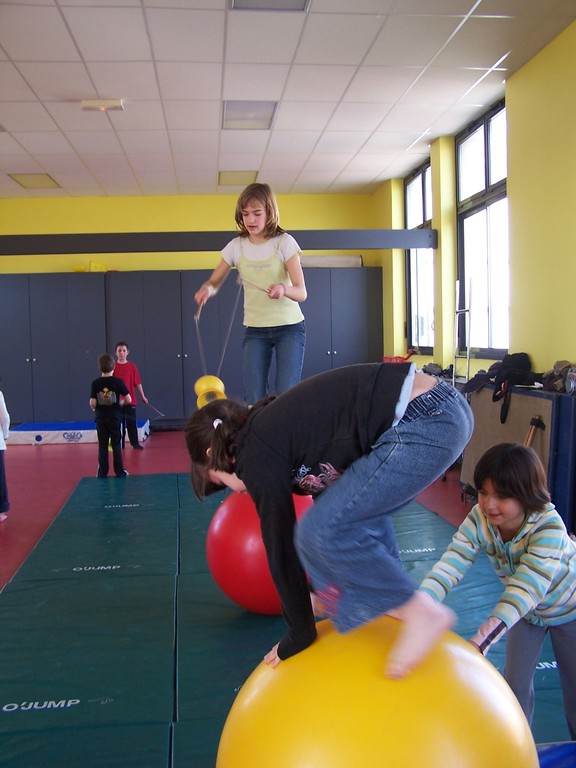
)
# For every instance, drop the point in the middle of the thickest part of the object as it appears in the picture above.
(168, 242)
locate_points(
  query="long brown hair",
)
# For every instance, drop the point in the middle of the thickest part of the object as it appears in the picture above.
(262, 194)
(210, 435)
(516, 472)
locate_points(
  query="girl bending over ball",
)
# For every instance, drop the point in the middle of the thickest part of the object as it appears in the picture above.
(527, 543)
(364, 440)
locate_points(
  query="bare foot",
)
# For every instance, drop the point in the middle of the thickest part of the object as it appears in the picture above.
(272, 658)
(423, 621)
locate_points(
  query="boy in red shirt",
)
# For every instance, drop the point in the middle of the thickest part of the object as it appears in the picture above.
(129, 374)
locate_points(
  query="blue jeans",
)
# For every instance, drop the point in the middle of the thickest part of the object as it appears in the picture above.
(346, 542)
(288, 342)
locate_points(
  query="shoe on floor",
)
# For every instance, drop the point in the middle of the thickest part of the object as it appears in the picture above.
(125, 473)
(3, 516)
(138, 447)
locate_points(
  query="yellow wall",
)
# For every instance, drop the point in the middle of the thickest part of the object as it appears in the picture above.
(161, 214)
(541, 114)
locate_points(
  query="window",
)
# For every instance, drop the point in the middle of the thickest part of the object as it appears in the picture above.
(483, 265)
(419, 263)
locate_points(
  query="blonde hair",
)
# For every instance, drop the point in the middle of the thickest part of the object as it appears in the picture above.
(262, 194)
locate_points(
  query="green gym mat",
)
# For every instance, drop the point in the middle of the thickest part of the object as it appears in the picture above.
(137, 492)
(111, 527)
(120, 650)
(80, 653)
(127, 542)
(95, 747)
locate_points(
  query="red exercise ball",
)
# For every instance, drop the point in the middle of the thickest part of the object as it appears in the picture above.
(236, 555)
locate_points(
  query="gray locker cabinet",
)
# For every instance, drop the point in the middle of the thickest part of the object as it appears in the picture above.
(52, 334)
(15, 347)
(343, 314)
(144, 309)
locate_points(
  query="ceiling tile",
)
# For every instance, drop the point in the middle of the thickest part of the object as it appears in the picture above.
(13, 87)
(321, 83)
(144, 115)
(186, 35)
(23, 115)
(336, 39)
(447, 86)
(190, 80)
(381, 84)
(263, 38)
(193, 115)
(353, 116)
(334, 141)
(44, 142)
(135, 142)
(35, 34)
(254, 82)
(293, 115)
(95, 143)
(102, 33)
(130, 80)
(481, 42)
(292, 141)
(394, 46)
(184, 142)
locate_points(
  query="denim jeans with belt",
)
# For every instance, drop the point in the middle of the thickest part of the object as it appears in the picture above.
(288, 342)
(346, 542)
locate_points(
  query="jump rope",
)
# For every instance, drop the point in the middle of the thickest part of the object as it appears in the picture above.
(208, 388)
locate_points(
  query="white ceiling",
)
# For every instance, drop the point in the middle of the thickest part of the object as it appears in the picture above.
(363, 87)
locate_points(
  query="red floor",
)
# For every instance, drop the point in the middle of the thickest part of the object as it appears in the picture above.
(41, 478)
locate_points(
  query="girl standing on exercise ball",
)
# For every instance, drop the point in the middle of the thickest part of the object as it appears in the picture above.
(268, 261)
(364, 440)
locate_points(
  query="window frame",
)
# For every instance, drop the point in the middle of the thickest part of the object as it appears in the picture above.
(477, 202)
(426, 223)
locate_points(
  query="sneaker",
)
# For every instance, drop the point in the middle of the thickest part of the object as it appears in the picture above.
(138, 447)
(3, 516)
(125, 473)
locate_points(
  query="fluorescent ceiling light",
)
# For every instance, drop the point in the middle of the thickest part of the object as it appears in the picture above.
(102, 105)
(248, 115)
(34, 180)
(269, 5)
(236, 178)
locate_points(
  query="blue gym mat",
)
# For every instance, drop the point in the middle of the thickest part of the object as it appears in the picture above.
(119, 651)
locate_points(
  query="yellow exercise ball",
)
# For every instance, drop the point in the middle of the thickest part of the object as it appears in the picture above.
(331, 707)
(208, 388)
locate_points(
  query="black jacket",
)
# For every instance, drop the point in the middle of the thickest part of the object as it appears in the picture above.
(299, 443)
